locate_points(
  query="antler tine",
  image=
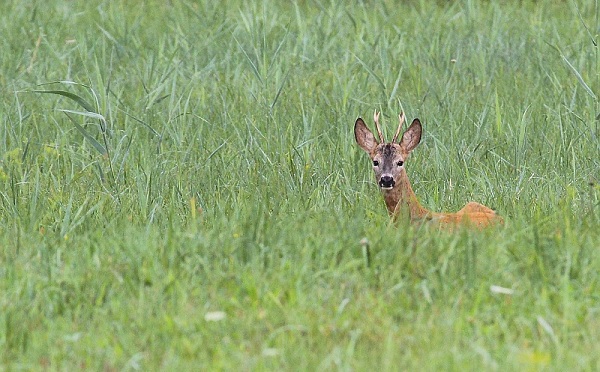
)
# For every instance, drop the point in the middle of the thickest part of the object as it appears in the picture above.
(376, 120)
(401, 118)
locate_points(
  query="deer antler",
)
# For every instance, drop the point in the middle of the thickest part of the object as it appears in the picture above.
(376, 120)
(401, 118)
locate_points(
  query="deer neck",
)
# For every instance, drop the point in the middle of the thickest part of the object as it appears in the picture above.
(401, 200)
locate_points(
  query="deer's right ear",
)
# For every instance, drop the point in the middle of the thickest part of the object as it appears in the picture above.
(365, 139)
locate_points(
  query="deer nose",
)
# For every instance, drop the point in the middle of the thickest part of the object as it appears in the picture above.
(386, 182)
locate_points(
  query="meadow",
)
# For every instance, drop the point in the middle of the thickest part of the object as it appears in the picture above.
(180, 188)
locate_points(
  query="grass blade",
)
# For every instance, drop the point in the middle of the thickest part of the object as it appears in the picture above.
(82, 102)
(575, 72)
(87, 136)
(252, 64)
(285, 79)
(371, 72)
(580, 78)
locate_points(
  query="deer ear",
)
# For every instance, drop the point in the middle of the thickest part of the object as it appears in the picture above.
(365, 139)
(412, 136)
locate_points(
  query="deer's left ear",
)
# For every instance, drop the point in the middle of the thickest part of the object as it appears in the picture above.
(365, 139)
(412, 136)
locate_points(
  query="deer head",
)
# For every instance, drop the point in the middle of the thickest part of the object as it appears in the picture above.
(388, 157)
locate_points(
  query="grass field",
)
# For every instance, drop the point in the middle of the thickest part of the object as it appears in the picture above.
(180, 188)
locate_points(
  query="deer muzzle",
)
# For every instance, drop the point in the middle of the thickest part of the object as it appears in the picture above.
(387, 182)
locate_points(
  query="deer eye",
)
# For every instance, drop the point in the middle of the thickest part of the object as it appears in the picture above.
(400, 163)
(375, 163)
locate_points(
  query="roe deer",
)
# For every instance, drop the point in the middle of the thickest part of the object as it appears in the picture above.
(388, 164)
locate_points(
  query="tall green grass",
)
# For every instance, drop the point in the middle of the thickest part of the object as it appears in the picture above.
(180, 187)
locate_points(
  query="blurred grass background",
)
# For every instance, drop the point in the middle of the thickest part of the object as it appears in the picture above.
(190, 193)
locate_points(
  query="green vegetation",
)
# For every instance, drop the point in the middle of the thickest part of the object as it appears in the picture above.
(186, 193)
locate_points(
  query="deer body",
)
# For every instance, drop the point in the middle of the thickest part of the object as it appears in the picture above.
(400, 199)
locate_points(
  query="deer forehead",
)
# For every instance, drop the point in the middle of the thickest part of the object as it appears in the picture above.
(388, 152)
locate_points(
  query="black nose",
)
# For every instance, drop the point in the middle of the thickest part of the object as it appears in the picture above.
(386, 182)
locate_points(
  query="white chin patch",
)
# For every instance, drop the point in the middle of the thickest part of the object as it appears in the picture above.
(386, 188)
